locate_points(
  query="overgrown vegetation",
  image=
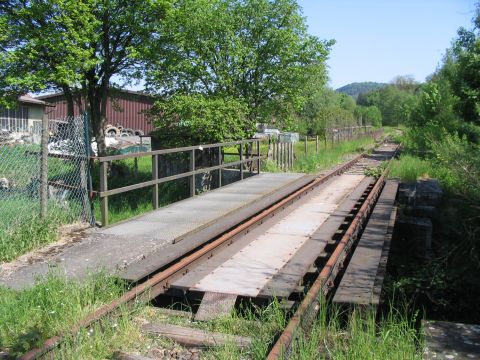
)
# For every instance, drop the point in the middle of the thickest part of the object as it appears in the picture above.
(359, 335)
(224, 55)
(21, 228)
(333, 335)
(30, 316)
(324, 159)
(441, 141)
(55, 304)
(22, 231)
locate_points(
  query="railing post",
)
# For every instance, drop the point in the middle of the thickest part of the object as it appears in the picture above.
(241, 158)
(258, 155)
(155, 177)
(316, 144)
(104, 187)
(220, 169)
(192, 168)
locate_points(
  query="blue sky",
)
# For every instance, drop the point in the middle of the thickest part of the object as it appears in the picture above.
(380, 39)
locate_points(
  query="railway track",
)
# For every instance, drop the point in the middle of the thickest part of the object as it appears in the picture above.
(304, 306)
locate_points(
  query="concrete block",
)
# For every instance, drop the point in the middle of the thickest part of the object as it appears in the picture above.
(406, 193)
(447, 340)
(418, 231)
(421, 211)
(428, 193)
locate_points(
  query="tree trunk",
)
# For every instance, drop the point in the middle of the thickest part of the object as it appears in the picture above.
(70, 103)
(102, 147)
(97, 95)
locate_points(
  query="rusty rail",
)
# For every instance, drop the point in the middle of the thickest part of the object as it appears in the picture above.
(310, 305)
(159, 282)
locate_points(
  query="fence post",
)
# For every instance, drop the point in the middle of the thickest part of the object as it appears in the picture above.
(241, 158)
(290, 156)
(284, 165)
(82, 167)
(44, 168)
(192, 168)
(104, 187)
(220, 169)
(277, 153)
(154, 177)
(89, 165)
(258, 155)
(316, 144)
(306, 144)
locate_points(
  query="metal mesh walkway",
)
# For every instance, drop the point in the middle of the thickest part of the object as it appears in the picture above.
(136, 247)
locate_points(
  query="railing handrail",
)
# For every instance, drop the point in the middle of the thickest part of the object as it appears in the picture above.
(176, 177)
(171, 150)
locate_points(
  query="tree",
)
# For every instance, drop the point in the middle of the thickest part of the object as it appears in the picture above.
(393, 101)
(197, 119)
(369, 115)
(44, 46)
(462, 68)
(256, 51)
(358, 88)
(77, 47)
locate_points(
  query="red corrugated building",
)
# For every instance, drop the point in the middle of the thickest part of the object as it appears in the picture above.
(124, 107)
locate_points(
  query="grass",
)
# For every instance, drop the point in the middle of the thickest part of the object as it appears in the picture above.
(314, 162)
(360, 336)
(409, 168)
(21, 228)
(54, 304)
(334, 335)
(30, 316)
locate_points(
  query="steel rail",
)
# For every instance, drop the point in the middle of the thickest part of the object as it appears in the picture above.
(310, 305)
(159, 282)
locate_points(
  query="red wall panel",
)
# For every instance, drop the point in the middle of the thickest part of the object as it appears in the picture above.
(126, 110)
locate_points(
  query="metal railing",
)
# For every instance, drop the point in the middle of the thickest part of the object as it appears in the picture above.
(245, 154)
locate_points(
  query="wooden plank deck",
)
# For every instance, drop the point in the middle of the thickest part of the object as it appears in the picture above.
(215, 305)
(248, 271)
(287, 278)
(358, 283)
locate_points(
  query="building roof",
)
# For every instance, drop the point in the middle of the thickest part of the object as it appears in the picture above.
(27, 99)
(60, 93)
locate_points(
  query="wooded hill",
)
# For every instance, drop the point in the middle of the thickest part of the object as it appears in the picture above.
(356, 88)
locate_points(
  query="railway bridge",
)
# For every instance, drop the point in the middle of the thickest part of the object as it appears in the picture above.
(274, 235)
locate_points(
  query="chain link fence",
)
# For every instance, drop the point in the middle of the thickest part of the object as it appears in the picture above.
(44, 177)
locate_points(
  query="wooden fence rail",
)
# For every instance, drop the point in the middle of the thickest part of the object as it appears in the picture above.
(283, 154)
